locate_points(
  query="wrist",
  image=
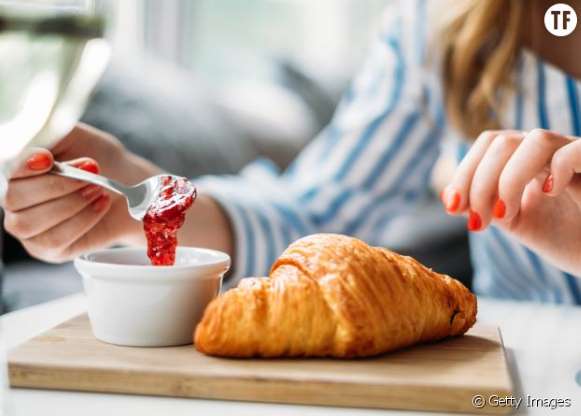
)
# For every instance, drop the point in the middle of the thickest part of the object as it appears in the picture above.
(207, 226)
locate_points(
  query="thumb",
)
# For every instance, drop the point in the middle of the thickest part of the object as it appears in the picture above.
(35, 161)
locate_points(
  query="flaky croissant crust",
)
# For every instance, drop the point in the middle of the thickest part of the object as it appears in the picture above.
(335, 296)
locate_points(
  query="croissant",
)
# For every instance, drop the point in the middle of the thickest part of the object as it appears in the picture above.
(335, 296)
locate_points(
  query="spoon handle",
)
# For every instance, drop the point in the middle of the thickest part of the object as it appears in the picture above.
(68, 171)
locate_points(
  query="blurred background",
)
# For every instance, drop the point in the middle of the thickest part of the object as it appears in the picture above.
(207, 86)
(224, 62)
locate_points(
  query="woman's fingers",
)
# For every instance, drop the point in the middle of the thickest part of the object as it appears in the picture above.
(50, 214)
(26, 192)
(38, 219)
(57, 243)
(456, 196)
(483, 196)
(492, 179)
(565, 168)
(528, 161)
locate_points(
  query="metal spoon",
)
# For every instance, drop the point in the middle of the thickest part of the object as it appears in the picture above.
(139, 197)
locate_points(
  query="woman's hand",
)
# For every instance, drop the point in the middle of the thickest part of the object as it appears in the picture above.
(530, 185)
(57, 218)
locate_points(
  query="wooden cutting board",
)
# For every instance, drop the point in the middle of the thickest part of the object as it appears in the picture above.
(442, 377)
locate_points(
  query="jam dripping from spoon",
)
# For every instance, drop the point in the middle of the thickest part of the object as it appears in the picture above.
(164, 217)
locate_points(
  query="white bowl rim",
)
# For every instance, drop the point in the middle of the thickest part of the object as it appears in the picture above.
(102, 269)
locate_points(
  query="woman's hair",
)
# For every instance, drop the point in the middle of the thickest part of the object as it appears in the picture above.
(481, 40)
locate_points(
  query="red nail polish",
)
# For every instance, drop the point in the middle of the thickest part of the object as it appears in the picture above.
(101, 203)
(39, 161)
(474, 221)
(548, 185)
(89, 166)
(452, 201)
(499, 210)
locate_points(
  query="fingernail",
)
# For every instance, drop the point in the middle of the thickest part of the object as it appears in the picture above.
(499, 210)
(474, 221)
(452, 201)
(89, 166)
(39, 161)
(548, 185)
(89, 192)
(101, 204)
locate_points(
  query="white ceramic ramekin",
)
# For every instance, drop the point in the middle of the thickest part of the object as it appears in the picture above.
(135, 304)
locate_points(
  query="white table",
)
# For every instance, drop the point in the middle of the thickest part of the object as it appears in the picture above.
(543, 345)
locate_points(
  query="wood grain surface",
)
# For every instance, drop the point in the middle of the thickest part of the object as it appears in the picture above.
(442, 377)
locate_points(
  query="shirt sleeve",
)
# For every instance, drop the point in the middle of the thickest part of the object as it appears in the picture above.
(372, 162)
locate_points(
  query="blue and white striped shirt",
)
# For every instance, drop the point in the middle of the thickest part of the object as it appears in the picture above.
(375, 160)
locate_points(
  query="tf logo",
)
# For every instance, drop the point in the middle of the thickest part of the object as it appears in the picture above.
(560, 19)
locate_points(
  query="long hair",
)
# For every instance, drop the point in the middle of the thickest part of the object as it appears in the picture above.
(481, 40)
